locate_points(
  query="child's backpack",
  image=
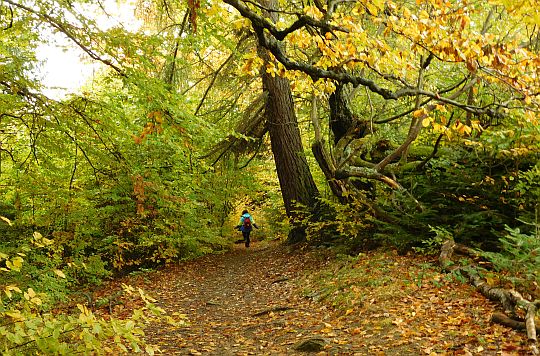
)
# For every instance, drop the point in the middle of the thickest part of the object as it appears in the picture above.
(247, 223)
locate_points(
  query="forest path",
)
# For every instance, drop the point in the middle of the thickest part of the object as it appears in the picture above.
(253, 302)
(243, 302)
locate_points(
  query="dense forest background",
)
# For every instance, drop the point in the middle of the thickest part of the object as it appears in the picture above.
(359, 124)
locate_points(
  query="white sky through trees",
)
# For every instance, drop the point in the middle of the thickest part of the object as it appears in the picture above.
(65, 68)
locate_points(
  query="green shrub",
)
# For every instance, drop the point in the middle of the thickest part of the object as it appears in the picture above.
(519, 259)
(30, 325)
(432, 246)
(346, 224)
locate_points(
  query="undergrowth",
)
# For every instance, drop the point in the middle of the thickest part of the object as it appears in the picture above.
(32, 323)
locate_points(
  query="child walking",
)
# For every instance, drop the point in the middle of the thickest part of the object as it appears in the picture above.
(245, 225)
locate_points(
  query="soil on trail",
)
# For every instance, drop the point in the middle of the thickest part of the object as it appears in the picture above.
(269, 299)
(241, 302)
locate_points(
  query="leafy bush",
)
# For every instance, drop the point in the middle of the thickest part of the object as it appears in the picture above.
(31, 326)
(432, 246)
(477, 194)
(344, 223)
(519, 259)
(527, 196)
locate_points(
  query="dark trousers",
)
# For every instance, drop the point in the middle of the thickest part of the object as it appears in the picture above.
(246, 237)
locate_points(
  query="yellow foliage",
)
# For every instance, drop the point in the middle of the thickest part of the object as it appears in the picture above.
(15, 264)
(419, 112)
(15, 315)
(11, 288)
(313, 11)
(6, 220)
(59, 273)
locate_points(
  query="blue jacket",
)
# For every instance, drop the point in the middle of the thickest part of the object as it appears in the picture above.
(241, 222)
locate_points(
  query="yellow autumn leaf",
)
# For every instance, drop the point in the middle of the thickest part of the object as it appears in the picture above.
(379, 3)
(13, 288)
(59, 273)
(313, 11)
(150, 350)
(406, 13)
(16, 315)
(6, 220)
(31, 293)
(426, 121)
(16, 263)
(418, 113)
(438, 128)
(213, 10)
(476, 125)
(479, 349)
(84, 310)
(441, 108)
(372, 9)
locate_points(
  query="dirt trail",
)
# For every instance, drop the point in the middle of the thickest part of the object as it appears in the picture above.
(241, 302)
(250, 302)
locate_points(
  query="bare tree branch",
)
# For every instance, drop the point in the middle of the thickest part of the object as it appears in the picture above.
(272, 43)
(263, 23)
(212, 81)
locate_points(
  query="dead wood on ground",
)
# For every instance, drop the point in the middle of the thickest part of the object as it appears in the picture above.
(510, 299)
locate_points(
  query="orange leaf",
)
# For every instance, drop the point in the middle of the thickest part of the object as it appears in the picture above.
(418, 113)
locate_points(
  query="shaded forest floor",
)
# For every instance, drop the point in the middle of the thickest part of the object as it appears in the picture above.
(268, 299)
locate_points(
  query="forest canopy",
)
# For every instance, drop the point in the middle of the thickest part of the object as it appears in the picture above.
(378, 105)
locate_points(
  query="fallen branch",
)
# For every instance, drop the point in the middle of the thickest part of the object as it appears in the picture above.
(502, 319)
(509, 299)
(272, 310)
(279, 280)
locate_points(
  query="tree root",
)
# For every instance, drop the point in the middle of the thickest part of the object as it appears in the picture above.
(279, 280)
(503, 319)
(509, 299)
(272, 310)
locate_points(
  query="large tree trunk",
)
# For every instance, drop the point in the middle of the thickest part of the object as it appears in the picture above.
(295, 179)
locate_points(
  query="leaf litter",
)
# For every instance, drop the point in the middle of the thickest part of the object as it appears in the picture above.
(267, 299)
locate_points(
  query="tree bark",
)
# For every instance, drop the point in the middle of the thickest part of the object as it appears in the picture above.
(323, 157)
(295, 179)
(341, 117)
(294, 175)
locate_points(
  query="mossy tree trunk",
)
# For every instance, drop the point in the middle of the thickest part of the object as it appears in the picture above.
(295, 179)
